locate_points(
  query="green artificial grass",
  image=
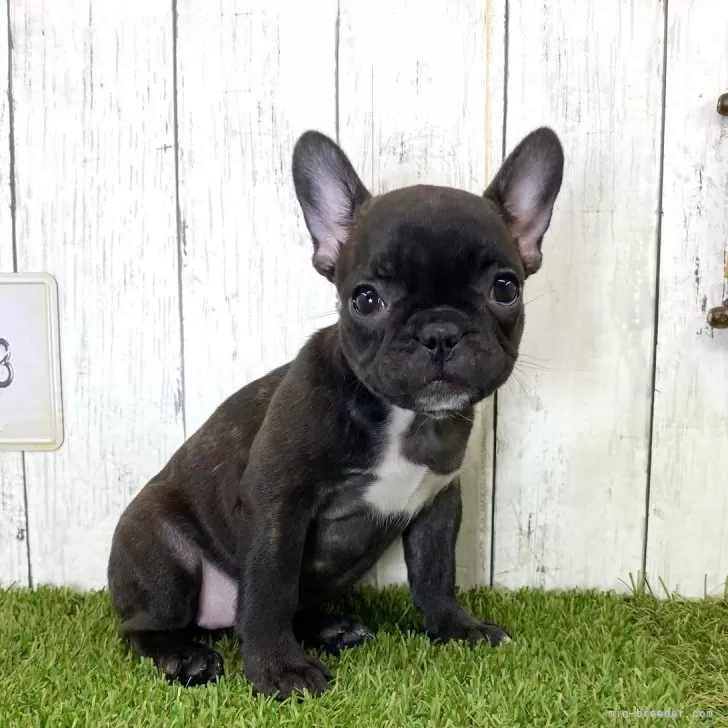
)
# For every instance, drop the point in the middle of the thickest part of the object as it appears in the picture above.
(576, 656)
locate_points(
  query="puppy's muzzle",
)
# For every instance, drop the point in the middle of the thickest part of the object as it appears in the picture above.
(439, 338)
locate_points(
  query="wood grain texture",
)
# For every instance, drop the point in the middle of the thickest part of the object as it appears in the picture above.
(251, 297)
(13, 534)
(573, 429)
(6, 222)
(417, 91)
(421, 100)
(687, 543)
(96, 208)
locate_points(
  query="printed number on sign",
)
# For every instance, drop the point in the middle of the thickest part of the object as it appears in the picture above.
(6, 368)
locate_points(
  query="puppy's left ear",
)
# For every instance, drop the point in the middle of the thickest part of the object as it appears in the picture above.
(525, 189)
(330, 193)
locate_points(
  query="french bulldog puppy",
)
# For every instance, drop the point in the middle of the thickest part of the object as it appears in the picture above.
(298, 482)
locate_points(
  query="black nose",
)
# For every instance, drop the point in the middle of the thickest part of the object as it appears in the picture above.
(440, 337)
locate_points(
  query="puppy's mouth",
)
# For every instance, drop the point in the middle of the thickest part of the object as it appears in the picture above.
(441, 397)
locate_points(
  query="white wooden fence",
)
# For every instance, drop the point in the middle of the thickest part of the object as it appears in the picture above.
(144, 162)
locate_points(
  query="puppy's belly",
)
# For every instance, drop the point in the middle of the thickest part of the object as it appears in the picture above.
(218, 599)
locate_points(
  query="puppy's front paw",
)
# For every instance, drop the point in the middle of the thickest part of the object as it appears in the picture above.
(465, 628)
(292, 671)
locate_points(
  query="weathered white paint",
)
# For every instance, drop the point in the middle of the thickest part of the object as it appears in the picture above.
(573, 430)
(419, 90)
(688, 511)
(250, 294)
(13, 546)
(94, 145)
(439, 66)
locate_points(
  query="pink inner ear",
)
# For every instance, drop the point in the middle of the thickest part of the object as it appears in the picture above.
(530, 221)
(529, 230)
(524, 198)
(328, 224)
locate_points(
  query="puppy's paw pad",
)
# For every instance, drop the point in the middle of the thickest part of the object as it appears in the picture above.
(193, 666)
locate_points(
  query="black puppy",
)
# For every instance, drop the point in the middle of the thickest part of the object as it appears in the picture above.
(297, 483)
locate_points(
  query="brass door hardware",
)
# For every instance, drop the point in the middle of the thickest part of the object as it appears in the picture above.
(723, 105)
(718, 316)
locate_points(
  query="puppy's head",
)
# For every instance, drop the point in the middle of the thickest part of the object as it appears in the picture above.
(430, 279)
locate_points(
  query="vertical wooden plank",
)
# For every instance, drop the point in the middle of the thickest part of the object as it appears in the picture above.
(687, 545)
(250, 294)
(421, 100)
(573, 429)
(6, 221)
(13, 535)
(13, 546)
(96, 208)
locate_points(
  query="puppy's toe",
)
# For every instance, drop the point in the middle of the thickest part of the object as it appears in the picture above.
(287, 675)
(193, 666)
(464, 627)
(309, 678)
(340, 633)
(494, 634)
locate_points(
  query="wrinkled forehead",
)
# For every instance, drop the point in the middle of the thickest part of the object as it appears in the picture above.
(414, 229)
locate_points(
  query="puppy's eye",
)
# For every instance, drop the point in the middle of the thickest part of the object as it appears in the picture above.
(366, 301)
(505, 290)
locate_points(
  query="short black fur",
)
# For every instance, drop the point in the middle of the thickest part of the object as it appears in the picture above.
(284, 495)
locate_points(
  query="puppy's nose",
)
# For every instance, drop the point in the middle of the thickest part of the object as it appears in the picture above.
(440, 337)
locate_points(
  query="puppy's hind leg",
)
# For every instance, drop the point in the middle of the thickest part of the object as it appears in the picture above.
(156, 595)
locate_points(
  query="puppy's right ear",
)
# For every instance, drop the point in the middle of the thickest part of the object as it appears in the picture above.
(330, 193)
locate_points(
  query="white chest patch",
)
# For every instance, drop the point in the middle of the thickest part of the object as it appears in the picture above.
(401, 487)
